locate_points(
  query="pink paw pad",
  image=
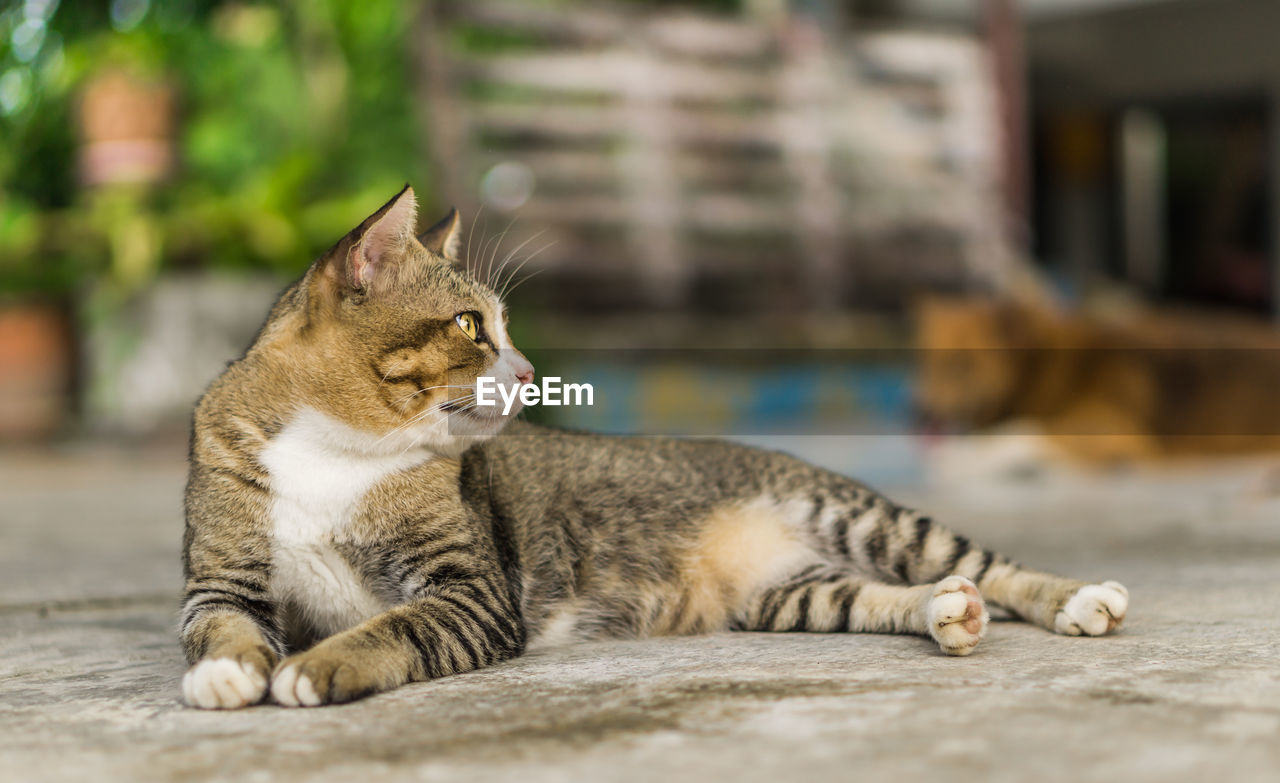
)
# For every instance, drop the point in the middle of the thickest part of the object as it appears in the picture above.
(957, 615)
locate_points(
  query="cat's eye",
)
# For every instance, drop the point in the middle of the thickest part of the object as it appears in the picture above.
(469, 323)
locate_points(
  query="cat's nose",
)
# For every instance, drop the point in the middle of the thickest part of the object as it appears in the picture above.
(524, 371)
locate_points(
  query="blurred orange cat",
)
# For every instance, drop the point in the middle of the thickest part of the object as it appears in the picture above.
(1107, 390)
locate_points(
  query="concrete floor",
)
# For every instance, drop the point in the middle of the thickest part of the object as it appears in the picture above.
(1189, 690)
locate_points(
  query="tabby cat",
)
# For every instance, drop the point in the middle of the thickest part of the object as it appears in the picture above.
(356, 522)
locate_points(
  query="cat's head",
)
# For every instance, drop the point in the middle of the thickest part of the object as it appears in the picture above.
(970, 360)
(393, 333)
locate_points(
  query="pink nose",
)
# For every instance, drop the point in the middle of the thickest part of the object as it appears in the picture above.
(524, 371)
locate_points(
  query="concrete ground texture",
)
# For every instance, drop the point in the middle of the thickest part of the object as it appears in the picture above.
(1189, 689)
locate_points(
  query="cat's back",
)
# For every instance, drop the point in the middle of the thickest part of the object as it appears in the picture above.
(531, 471)
(528, 449)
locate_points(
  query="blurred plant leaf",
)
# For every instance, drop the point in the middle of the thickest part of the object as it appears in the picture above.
(295, 121)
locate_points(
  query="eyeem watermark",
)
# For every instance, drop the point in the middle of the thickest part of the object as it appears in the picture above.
(551, 392)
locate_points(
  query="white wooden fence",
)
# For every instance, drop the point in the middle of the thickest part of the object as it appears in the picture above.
(678, 158)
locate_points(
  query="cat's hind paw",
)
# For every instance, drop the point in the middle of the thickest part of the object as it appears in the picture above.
(1093, 611)
(223, 684)
(957, 616)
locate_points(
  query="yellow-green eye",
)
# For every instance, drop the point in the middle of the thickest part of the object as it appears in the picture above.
(468, 323)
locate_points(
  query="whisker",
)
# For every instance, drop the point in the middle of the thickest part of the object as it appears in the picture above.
(386, 375)
(481, 267)
(524, 280)
(480, 254)
(436, 409)
(527, 259)
(481, 270)
(512, 254)
(471, 233)
(417, 418)
(496, 247)
(505, 286)
(431, 388)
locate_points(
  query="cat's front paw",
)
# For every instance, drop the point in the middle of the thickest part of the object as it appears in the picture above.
(224, 684)
(1093, 611)
(318, 677)
(957, 616)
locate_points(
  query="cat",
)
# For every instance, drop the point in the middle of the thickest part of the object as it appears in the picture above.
(355, 522)
(1096, 390)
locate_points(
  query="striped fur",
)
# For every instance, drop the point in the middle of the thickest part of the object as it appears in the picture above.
(341, 541)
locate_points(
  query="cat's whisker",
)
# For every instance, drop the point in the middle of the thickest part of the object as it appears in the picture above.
(524, 280)
(482, 269)
(507, 260)
(401, 402)
(397, 430)
(527, 259)
(410, 396)
(417, 418)
(471, 234)
(447, 408)
(480, 256)
(386, 375)
(496, 247)
(507, 283)
(506, 287)
(464, 402)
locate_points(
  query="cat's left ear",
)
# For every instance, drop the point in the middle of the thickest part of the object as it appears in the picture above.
(444, 238)
(371, 252)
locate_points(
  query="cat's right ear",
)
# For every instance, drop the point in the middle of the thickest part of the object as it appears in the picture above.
(368, 256)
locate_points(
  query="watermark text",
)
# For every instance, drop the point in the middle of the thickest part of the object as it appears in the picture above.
(550, 392)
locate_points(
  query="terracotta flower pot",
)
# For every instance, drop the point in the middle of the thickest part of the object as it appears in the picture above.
(127, 127)
(35, 371)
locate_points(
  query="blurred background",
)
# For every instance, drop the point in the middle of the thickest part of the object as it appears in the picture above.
(769, 219)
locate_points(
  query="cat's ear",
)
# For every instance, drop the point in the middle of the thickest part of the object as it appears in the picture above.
(444, 238)
(378, 244)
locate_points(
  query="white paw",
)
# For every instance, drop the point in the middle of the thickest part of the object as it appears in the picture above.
(1094, 610)
(223, 684)
(292, 689)
(957, 615)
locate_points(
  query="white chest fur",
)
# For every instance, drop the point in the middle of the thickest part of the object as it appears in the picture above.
(320, 471)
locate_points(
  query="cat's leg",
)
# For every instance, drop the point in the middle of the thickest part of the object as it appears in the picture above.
(1067, 606)
(445, 631)
(826, 599)
(229, 633)
(897, 544)
(229, 626)
(234, 671)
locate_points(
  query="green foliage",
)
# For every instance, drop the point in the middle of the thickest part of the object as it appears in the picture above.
(296, 120)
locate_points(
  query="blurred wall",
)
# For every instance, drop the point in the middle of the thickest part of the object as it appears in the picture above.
(1158, 154)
